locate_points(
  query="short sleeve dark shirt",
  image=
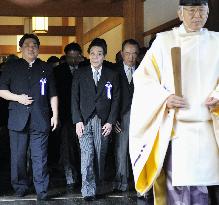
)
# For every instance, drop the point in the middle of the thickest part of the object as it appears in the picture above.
(20, 78)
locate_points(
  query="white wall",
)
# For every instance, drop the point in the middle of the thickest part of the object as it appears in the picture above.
(113, 37)
(158, 12)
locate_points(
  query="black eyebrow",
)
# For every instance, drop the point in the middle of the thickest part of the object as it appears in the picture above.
(29, 43)
(97, 51)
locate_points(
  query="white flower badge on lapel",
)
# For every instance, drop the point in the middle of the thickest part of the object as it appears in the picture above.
(42, 85)
(108, 89)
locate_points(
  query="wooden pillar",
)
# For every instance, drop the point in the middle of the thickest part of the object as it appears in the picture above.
(79, 31)
(133, 13)
(64, 38)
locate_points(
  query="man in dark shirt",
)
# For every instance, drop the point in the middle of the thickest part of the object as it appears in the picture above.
(28, 84)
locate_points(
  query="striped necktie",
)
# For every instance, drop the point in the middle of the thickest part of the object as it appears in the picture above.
(129, 75)
(96, 75)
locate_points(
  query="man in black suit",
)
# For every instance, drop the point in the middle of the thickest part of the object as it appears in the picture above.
(28, 84)
(129, 53)
(69, 148)
(95, 103)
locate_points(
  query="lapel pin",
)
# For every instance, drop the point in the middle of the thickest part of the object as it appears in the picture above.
(108, 89)
(42, 85)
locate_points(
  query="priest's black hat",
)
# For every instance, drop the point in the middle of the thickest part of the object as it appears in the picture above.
(192, 2)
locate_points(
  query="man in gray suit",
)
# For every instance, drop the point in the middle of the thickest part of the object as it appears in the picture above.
(129, 53)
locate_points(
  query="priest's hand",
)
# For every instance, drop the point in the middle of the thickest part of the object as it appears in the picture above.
(107, 128)
(212, 103)
(174, 101)
(80, 129)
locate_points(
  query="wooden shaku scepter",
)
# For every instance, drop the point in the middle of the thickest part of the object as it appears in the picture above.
(176, 61)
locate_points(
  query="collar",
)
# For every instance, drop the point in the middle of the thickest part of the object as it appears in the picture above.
(31, 63)
(126, 68)
(73, 67)
(183, 32)
(99, 70)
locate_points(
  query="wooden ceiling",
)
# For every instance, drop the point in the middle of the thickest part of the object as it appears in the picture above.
(62, 8)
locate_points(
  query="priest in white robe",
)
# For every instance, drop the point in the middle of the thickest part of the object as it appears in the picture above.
(174, 139)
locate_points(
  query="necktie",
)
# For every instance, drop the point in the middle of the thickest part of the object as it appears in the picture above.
(96, 73)
(129, 75)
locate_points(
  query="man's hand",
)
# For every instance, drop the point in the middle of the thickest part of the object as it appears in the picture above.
(25, 99)
(80, 129)
(174, 101)
(212, 103)
(117, 127)
(54, 123)
(107, 128)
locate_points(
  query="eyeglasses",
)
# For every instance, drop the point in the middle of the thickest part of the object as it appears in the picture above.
(202, 10)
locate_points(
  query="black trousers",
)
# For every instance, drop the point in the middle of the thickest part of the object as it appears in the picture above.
(213, 195)
(38, 142)
(148, 199)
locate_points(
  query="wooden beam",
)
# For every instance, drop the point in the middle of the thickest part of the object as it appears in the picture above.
(59, 31)
(7, 49)
(79, 31)
(63, 8)
(52, 30)
(102, 28)
(64, 38)
(11, 29)
(12, 49)
(50, 49)
(133, 12)
(164, 27)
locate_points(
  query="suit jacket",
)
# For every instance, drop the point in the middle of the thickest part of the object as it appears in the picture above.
(126, 92)
(88, 99)
(18, 78)
(63, 77)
